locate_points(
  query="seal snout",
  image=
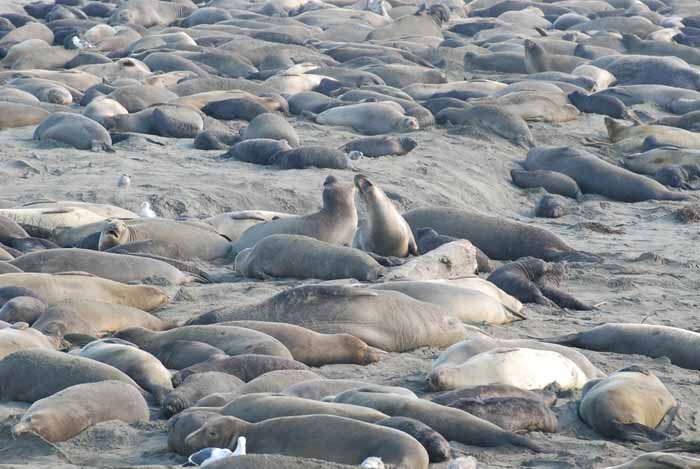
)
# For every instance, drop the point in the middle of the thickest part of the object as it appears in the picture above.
(363, 183)
(330, 180)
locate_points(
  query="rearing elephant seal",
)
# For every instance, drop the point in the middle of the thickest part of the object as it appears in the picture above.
(384, 232)
(335, 223)
(327, 437)
(630, 404)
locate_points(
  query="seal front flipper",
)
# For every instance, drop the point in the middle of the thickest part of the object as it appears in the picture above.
(563, 299)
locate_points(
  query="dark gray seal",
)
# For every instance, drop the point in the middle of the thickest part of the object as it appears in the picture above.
(269, 125)
(436, 445)
(551, 181)
(257, 150)
(491, 119)
(311, 157)
(551, 206)
(514, 414)
(599, 104)
(246, 367)
(381, 145)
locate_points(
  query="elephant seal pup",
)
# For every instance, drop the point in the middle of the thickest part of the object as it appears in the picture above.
(452, 260)
(638, 339)
(92, 318)
(384, 231)
(552, 206)
(103, 107)
(368, 118)
(145, 369)
(22, 309)
(194, 241)
(321, 389)
(600, 104)
(382, 145)
(271, 125)
(257, 150)
(490, 391)
(233, 224)
(537, 60)
(379, 318)
(75, 130)
(55, 288)
(312, 348)
(630, 404)
(230, 339)
(196, 387)
(180, 354)
(499, 238)
(514, 414)
(117, 267)
(610, 181)
(521, 367)
(491, 119)
(311, 157)
(552, 182)
(335, 223)
(282, 256)
(327, 437)
(453, 424)
(466, 304)
(427, 239)
(165, 120)
(184, 423)
(246, 367)
(19, 336)
(264, 406)
(69, 412)
(525, 279)
(30, 375)
(436, 445)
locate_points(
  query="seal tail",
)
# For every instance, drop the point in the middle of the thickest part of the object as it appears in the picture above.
(564, 300)
(517, 440)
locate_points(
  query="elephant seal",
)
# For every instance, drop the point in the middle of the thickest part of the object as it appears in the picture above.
(379, 318)
(55, 288)
(149, 13)
(244, 108)
(271, 125)
(257, 150)
(184, 423)
(75, 130)
(117, 267)
(638, 339)
(145, 369)
(196, 387)
(311, 157)
(335, 223)
(369, 118)
(231, 340)
(466, 304)
(521, 367)
(312, 348)
(233, 224)
(22, 309)
(427, 239)
(194, 241)
(103, 107)
(384, 231)
(551, 206)
(490, 391)
(491, 119)
(165, 120)
(551, 181)
(69, 412)
(453, 424)
(321, 389)
(19, 336)
(374, 147)
(497, 62)
(327, 437)
(246, 367)
(180, 354)
(498, 238)
(436, 445)
(20, 115)
(630, 404)
(514, 414)
(282, 255)
(92, 318)
(526, 278)
(599, 104)
(611, 181)
(30, 375)
(537, 60)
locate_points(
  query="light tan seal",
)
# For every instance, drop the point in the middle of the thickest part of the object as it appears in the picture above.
(67, 413)
(19, 337)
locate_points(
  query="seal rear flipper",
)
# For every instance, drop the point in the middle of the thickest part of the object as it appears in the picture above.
(564, 300)
(666, 424)
(574, 256)
(387, 261)
(568, 339)
(676, 446)
(538, 447)
(636, 432)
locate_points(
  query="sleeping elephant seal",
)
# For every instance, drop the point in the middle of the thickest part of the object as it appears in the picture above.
(610, 181)
(271, 125)
(194, 241)
(22, 309)
(427, 239)
(75, 130)
(311, 157)
(373, 147)
(233, 224)
(55, 288)
(246, 367)
(231, 340)
(335, 223)
(30, 375)
(180, 354)
(491, 119)
(327, 437)
(537, 60)
(69, 412)
(436, 445)
(20, 115)
(514, 414)
(369, 118)
(384, 231)
(19, 336)
(257, 150)
(117, 267)
(630, 404)
(379, 318)
(145, 369)
(525, 279)
(321, 389)
(302, 257)
(499, 238)
(312, 348)
(453, 424)
(149, 13)
(197, 386)
(494, 391)
(638, 339)
(552, 182)
(166, 120)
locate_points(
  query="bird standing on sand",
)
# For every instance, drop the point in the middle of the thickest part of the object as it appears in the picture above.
(124, 181)
(146, 211)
